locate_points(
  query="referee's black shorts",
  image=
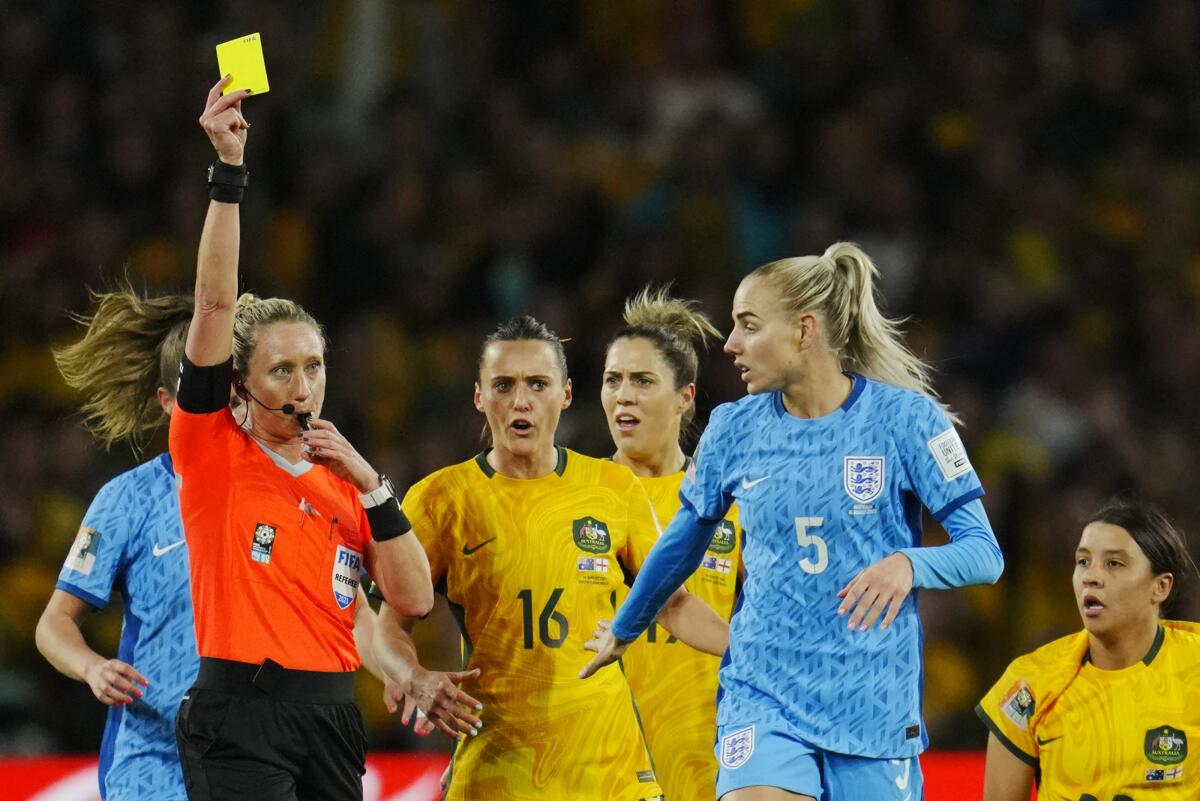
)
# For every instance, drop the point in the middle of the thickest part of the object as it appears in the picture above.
(265, 732)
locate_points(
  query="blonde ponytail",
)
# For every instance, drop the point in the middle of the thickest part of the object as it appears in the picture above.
(840, 284)
(132, 346)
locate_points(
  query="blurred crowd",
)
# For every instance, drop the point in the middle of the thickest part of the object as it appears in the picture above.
(1024, 172)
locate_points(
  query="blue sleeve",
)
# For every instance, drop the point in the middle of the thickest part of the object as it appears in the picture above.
(939, 471)
(673, 558)
(971, 557)
(705, 485)
(97, 556)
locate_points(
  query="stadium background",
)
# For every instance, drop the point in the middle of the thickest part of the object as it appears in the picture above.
(1023, 171)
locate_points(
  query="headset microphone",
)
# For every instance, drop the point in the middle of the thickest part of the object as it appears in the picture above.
(301, 418)
(286, 408)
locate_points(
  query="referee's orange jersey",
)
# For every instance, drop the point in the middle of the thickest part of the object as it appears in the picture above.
(275, 556)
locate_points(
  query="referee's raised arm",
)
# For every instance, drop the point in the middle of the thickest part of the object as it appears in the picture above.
(210, 337)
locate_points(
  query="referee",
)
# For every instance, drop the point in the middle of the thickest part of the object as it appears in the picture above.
(281, 514)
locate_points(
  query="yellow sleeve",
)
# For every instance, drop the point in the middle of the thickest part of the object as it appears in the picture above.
(427, 528)
(1009, 710)
(644, 528)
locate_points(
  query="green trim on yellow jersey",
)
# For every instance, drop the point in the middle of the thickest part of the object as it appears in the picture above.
(559, 467)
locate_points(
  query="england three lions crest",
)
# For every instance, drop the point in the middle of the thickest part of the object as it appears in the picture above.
(736, 748)
(863, 477)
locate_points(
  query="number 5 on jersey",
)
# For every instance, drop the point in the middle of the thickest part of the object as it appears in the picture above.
(806, 540)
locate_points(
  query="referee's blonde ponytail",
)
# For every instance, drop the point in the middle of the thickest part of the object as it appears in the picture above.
(840, 285)
(676, 327)
(132, 345)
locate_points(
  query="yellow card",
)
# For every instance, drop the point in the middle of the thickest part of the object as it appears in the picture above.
(243, 59)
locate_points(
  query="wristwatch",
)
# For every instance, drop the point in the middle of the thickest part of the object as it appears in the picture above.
(378, 495)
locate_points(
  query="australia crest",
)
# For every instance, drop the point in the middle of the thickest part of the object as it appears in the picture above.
(1166, 745)
(591, 535)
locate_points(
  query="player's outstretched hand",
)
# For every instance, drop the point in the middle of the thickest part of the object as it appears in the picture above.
(607, 647)
(222, 120)
(438, 695)
(114, 682)
(878, 587)
(394, 698)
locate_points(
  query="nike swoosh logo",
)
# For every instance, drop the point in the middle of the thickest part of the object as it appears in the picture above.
(160, 551)
(751, 484)
(1041, 742)
(468, 549)
(902, 779)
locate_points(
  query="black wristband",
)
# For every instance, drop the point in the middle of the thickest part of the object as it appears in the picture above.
(227, 183)
(388, 521)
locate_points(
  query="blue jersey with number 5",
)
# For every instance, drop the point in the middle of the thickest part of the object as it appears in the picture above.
(820, 500)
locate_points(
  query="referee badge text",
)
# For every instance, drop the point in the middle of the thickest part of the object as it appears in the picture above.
(347, 565)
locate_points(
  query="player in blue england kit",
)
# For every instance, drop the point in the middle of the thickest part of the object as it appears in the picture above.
(131, 541)
(830, 458)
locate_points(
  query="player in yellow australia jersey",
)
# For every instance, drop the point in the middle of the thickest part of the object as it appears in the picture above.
(529, 543)
(1111, 713)
(648, 396)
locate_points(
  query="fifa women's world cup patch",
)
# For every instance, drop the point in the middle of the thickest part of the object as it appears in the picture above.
(82, 555)
(263, 542)
(347, 567)
(1019, 705)
(591, 535)
(737, 748)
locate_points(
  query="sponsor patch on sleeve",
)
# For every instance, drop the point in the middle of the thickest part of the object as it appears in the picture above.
(1018, 705)
(82, 555)
(950, 455)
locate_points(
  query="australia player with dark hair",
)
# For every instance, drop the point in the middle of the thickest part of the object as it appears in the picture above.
(1112, 711)
(530, 543)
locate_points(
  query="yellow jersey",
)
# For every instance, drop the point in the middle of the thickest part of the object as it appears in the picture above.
(528, 567)
(1104, 734)
(675, 685)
